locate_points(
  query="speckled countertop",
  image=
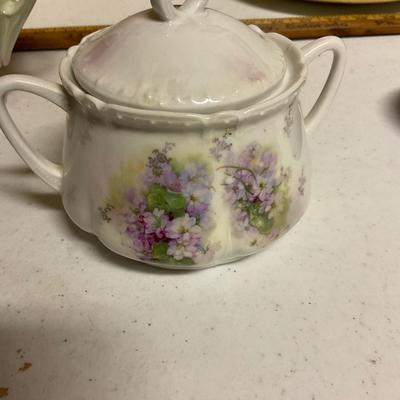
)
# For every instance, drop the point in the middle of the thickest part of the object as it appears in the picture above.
(315, 317)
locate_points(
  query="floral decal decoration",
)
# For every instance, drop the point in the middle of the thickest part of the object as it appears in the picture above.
(258, 192)
(162, 206)
(289, 120)
(302, 183)
(168, 218)
(220, 145)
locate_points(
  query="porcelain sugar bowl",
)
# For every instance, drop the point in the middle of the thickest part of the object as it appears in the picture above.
(185, 143)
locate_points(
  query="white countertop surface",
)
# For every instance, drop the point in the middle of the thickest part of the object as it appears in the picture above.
(315, 317)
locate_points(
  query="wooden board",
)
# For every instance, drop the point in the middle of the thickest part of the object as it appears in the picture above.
(293, 28)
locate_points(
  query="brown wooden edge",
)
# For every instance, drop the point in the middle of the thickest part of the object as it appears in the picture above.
(293, 28)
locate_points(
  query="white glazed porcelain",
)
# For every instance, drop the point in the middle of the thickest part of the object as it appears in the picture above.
(13, 14)
(159, 182)
(185, 64)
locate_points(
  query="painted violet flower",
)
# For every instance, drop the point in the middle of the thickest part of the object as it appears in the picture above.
(183, 228)
(167, 221)
(258, 194)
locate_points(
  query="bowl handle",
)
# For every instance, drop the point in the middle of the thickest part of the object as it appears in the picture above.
(166, 10)
(50, 172)
(311, 51)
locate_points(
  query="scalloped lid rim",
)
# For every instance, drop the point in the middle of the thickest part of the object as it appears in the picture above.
(294, 79)
(203, 63)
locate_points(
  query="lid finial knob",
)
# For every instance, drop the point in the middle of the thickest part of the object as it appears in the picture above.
(166, 10)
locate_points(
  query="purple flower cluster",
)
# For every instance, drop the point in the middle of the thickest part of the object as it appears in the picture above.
(253, 188)
(144, 227)
(196, 188)
(166, 221)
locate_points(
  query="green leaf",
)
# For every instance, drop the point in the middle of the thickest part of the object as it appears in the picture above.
(253, 209)
(260, 220)
(262, 223)
(160, 251)
(163, 199)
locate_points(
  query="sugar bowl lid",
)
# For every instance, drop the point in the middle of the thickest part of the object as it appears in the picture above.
(186, 59)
